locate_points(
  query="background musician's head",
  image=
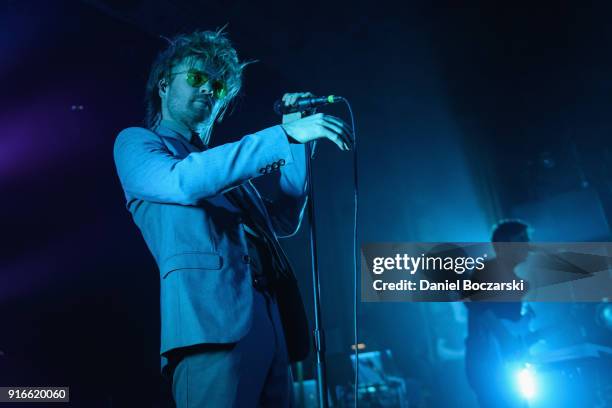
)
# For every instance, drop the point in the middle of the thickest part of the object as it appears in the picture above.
(513, 232)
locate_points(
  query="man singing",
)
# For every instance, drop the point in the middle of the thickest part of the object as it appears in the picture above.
(231, 315)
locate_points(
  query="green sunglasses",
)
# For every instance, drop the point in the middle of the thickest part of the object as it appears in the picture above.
(197, 78)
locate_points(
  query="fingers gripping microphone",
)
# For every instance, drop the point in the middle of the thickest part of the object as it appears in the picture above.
(303, 104)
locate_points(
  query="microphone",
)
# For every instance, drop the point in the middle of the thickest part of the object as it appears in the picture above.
(303, 104)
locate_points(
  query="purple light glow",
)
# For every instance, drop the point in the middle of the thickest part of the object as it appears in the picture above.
(38, 136)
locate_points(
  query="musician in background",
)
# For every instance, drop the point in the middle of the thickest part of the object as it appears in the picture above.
(490, 345)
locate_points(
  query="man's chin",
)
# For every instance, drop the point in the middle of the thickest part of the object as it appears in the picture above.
(200, 115)
(202, 105)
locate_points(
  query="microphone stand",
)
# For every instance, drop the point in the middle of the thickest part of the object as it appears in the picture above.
(318, 333)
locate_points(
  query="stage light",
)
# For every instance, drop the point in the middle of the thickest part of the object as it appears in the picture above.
(604, 315)
(527, 381)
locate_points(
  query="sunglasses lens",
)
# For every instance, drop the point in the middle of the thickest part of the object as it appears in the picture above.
(220, 89)
(196, 79)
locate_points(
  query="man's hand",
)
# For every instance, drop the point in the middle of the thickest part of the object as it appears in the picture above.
(317, 126)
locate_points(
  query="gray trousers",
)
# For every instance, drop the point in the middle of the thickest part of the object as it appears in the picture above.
(251, 373)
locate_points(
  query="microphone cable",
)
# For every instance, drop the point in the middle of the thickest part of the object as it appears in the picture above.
(355, 251)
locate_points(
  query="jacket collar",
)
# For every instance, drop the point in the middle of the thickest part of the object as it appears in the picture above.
(173, 129)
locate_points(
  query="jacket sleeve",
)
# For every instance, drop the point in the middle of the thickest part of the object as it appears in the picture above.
(285, 193)
(149, 171)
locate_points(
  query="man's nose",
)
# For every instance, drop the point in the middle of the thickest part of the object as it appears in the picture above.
(207, 88)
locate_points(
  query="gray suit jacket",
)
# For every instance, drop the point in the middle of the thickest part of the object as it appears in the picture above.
(175, 194)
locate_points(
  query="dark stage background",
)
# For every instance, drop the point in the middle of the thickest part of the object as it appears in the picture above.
(465, 115)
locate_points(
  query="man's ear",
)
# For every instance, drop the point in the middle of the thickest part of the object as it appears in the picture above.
(163, 87)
